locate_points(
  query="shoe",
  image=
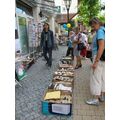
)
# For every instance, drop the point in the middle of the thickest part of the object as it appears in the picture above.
(76, 67)
(80, 65)
(93, 102)
(102, 98)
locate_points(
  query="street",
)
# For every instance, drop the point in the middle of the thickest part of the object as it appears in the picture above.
(28, 97)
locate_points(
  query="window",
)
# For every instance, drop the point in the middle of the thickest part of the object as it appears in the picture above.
(23, 8)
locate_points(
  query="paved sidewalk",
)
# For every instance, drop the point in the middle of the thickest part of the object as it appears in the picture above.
(82, 111)
(28, 98)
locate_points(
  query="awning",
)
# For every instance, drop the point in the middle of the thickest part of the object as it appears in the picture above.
(62, 18)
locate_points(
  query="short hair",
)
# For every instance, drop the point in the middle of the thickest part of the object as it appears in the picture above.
(94, 20)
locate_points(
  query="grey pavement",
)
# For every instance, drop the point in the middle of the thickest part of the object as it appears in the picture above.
(82, 111)
(28, 97)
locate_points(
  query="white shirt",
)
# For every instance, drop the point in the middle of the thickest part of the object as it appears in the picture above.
(84, 38)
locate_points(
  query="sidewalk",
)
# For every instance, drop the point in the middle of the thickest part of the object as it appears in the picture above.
(28, 98)
(82, 111)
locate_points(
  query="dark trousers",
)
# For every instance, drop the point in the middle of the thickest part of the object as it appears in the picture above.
(69, 52)
(48, 57)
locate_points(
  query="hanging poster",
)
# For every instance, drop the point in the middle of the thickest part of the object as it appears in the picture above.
(31, 35)
(34, 33)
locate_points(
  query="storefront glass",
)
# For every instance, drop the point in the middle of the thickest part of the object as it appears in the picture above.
(23, 34)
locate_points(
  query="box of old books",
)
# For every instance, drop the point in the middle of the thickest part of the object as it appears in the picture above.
(62, 86)
(57, 102)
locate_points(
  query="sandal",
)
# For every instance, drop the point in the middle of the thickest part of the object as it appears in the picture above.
(80, 65)
(76, 67)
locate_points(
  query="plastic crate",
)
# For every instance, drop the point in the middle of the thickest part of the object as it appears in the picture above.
(54, 108)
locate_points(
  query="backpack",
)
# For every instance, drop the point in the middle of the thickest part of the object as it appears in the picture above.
(103, 54)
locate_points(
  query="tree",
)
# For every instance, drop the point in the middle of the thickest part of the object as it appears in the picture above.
(88, 9)
(102, 18)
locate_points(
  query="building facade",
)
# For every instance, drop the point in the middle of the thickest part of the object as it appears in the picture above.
(30, 16)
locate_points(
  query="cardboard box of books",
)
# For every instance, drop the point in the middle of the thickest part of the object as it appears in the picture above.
(65, 80)
(57, 102)
(62, 86)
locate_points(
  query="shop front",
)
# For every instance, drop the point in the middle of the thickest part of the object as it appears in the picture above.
(23, 14)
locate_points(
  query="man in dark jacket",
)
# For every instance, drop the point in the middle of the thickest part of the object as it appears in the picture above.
(47, 43)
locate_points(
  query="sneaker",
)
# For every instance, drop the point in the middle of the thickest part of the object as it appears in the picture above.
(80, 65)
(93, 102)
(102, 98)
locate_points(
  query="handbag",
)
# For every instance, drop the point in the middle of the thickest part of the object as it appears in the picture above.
(89, 54)
(80, 46)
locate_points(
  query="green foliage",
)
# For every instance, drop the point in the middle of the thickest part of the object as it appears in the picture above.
(102, 18)
(88, 9)
(72, 23)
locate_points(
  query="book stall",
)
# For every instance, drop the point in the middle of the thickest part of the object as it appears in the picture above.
(58, 96)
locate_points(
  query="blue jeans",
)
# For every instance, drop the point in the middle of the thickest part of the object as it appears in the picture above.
(48, 57)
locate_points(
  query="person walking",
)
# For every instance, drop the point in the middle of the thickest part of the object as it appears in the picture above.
(97, 77)
(47, 43)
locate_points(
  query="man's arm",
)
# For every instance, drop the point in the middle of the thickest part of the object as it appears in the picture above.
(52, 39)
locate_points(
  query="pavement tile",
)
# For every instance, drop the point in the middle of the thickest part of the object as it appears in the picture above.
(82, 93)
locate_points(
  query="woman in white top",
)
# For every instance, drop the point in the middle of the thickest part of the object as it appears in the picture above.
(76, 52)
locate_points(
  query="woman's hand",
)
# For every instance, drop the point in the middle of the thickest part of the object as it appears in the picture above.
(94, 65)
